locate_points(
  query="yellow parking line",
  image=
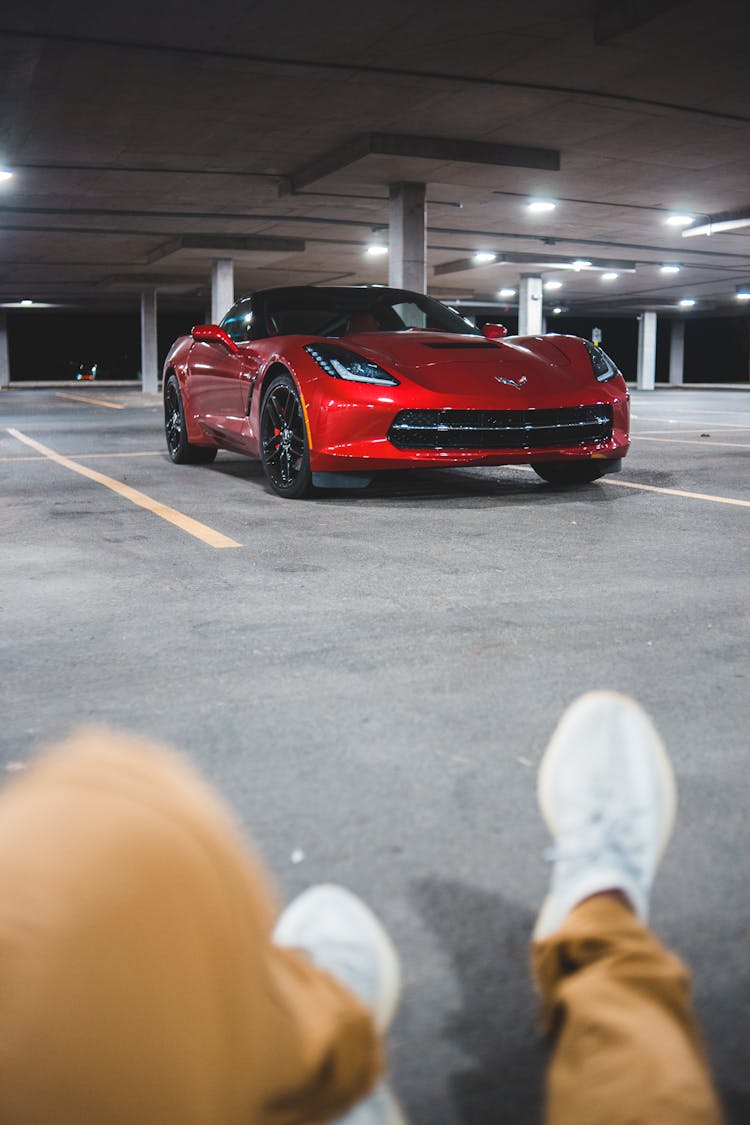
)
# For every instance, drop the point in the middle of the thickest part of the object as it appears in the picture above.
(689, 441)
(185, 523)
(91, 401)
(675, 492)
(91, 456)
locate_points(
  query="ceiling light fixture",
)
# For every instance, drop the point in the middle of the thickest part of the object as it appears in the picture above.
(553, 285)
(539, 206)
(5, 174)
(669, 269)
(376, 250)
(557, 310)
(581, 264)
(610, 276)
(743, 292)
(506, 293)
(679, 220)
(483, 256)
(687, 302)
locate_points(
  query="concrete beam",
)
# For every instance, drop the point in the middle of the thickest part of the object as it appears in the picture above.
(540, 261)
(646, 369)
(444, 149)
(149, 343)
(219, 243)
(407, 263)
(530, 306)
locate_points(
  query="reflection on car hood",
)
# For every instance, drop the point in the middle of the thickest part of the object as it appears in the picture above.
(443, 362)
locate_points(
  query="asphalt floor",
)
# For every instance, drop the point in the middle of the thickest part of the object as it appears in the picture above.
(370, 680)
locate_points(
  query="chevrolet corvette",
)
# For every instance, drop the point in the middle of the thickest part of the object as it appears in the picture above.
(329, 385)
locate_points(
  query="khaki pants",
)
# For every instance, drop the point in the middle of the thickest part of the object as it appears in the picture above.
(138, 982)
(616, 1008)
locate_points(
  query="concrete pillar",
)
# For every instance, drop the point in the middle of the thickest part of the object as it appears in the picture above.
(4, 361)
(407, 266)
(646, 370)
(530, 306)
(149, 346)
(677, 352)
(222, 288)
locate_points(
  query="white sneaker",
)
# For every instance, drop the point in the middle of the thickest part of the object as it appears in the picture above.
(340, 934)
(607, 792)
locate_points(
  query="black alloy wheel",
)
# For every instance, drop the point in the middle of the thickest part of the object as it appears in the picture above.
(284, 448)
(565, 472)
(181, 451)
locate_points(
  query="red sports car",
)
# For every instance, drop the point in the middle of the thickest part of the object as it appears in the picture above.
(327, 386)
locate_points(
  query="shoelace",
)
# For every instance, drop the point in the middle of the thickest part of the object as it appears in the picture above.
(607, 835)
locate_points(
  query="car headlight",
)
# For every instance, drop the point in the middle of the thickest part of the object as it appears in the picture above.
(604, 367)
(342, 364)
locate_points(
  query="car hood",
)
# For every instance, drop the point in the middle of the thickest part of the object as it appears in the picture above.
(473, 365)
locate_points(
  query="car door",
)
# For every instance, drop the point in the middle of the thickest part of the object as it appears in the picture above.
(220, 378)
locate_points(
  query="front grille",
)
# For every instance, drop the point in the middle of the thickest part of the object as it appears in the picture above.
(501, 429)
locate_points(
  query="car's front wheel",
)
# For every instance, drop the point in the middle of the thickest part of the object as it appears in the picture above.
(284, 449)
(181, 451)
(570, 472)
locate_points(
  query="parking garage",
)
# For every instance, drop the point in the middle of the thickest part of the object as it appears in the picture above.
(369, 678)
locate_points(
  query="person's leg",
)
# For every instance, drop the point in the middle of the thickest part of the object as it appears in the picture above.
(140, 982)
(616, 1007)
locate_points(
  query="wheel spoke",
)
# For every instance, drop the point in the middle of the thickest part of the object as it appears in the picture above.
(273, 409)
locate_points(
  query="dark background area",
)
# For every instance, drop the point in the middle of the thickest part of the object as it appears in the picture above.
(51, 345)
(54, 345)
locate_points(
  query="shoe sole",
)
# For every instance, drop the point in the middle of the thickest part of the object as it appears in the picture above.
(574, 723)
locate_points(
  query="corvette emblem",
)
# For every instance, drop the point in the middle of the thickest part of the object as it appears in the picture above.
(512, 382)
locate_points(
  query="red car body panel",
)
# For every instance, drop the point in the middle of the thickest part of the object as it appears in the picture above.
(348, 422)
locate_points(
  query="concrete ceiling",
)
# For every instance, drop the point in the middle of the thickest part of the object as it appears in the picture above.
(146, 139)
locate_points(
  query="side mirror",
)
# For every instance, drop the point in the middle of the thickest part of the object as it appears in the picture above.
(494, 331)
(212, 334)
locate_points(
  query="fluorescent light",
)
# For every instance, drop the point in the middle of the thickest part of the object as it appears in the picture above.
(716, 226)
(687, 302)
(679, 220)
(376, 250)
(5, 174)
(27, 303)
(483, 256)
(557, 310)
(669, 269)
(581, 263)
(507, 293)
(539, 206)
(553, 285)
(610, 276)
(743, 293)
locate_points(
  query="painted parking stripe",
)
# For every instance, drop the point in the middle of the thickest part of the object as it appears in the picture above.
(90, 456)
(185, 523)
(689, 441)
(91, 401)
(675, 492)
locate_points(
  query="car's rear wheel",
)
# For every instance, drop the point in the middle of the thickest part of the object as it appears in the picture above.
(284, 448)
(575, 472)
(181, 451)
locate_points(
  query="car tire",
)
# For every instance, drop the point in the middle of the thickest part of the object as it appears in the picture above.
(576, 472)
(284, 448)
(180, 450)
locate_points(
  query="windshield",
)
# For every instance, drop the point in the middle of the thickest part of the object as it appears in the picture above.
(343, 311)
